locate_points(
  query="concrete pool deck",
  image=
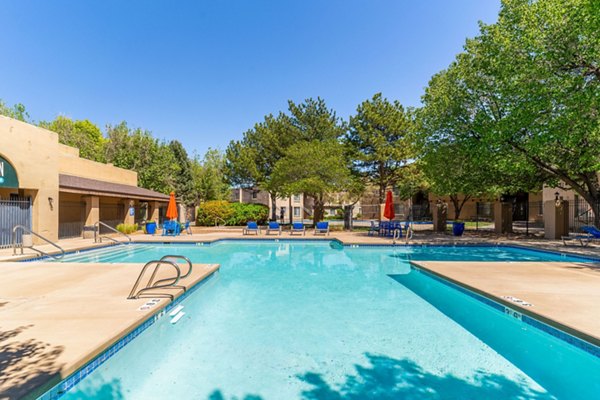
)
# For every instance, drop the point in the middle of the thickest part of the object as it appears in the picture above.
(56, 317)
(565, 295)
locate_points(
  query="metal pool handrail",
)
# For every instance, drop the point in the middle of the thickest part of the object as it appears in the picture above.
(170, 257)
(97, 232)
(29, 231)
(170, 282)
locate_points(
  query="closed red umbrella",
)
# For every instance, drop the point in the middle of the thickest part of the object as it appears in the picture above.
(172, 207)
(388, 211)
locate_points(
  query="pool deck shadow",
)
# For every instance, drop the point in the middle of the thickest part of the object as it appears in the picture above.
(56, 317)
(562, 294)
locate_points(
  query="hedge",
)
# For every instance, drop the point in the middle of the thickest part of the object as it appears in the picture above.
(212, 213)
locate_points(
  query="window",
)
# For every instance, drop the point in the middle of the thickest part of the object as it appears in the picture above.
(282, 213)
(296, 211)
(254, 195)
(296, 198)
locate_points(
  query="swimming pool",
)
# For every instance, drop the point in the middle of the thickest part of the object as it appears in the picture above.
(288, 320)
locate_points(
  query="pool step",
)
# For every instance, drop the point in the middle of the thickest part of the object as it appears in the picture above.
(126, 252)
(176, 310)
(177, 317)
(93, 253)
(112, 253)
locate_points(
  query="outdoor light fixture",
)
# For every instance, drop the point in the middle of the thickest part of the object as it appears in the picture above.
(51, 203)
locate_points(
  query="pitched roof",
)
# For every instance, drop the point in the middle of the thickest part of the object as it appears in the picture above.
(102, 188)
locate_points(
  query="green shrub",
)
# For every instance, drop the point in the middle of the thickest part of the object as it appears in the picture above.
(233, 214)
(127, 228)
(244, 212)
(213, 212)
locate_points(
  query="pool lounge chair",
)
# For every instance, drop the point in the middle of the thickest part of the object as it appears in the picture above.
(171, 228)
(274, 227)
(298, 227)
(373, 229)
(592, 234)
(251, 226)
(187, 228)
(322, 227)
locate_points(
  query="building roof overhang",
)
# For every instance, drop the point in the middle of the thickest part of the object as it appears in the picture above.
(76, 184)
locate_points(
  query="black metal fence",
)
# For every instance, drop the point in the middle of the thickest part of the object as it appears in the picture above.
(13, 212)
(581, 213)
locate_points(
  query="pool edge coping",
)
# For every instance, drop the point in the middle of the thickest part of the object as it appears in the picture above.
(546, 324)
(587, 258)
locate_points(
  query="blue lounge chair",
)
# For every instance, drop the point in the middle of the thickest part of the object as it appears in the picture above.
(322, 227)
(592, 234)
(274, 227)
(188, 228)
(171, 228)
(252, 226)
(298, 227)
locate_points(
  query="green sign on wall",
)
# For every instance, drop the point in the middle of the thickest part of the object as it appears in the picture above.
(8, 175)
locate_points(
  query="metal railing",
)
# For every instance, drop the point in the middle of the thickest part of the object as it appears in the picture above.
(165, 283)
(30, 232)
(219, 218)
(98, 237)
(397, 235)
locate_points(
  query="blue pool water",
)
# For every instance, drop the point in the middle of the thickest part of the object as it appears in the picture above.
(294, 320)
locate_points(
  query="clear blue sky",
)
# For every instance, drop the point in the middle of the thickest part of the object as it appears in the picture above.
(204, 72)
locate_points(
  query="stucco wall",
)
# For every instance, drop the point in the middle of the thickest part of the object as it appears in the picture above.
(34, 153)
(69, 163)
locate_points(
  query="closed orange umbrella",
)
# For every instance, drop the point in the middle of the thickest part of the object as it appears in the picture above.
(172, 207)
(388, 211)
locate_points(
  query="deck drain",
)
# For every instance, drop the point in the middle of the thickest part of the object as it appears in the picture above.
(517, 301)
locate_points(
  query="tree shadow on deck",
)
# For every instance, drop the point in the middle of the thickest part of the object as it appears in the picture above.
(25, 365)
(389, 378)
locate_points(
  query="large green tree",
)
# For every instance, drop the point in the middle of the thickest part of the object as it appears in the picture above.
(82, 134)
(317, 168)
(138, 150)
(250, 161)
(528, 88)
(209, 177)
(381, 142)
(183, 179)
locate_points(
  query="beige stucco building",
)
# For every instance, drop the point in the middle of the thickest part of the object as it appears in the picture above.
(46, 185)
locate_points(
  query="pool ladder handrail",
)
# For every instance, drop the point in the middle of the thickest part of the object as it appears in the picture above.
(98, 237)
(217, 222)
(165, 283)
(397, 235)
(30, 232)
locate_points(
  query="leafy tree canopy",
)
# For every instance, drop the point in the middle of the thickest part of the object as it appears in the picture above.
(184, 185)
(209, 177)
(17, 111)
(316, 168)
(528, 88)
(83, 134)
(381, 142)
(137, 150)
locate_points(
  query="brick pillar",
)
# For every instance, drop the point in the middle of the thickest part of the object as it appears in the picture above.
(153, 207)
(503, 217)
(556, 219)
(129, 205)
